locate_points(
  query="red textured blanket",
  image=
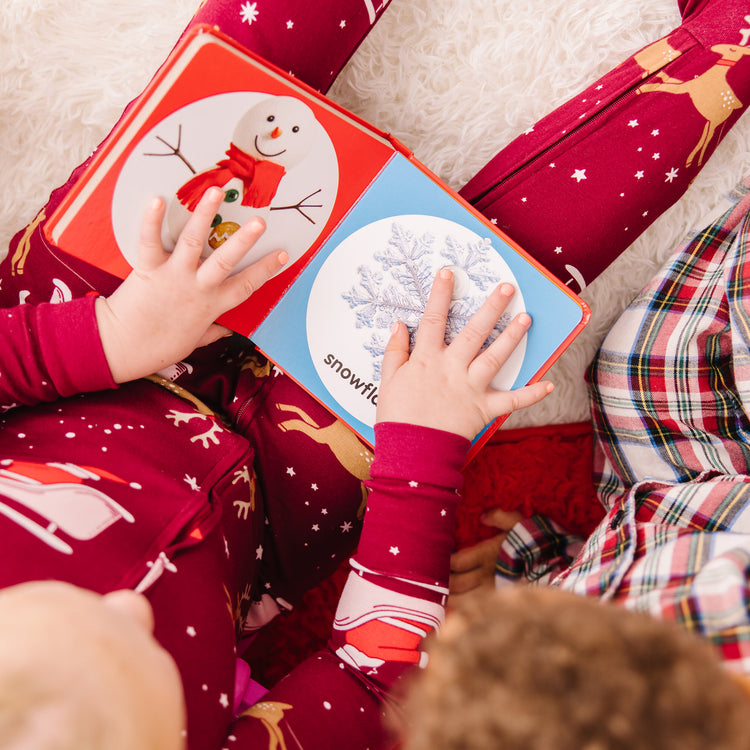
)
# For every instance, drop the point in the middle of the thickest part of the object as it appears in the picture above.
(545, 470)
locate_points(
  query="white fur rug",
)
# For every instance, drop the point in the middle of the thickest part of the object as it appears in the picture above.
(454, 80)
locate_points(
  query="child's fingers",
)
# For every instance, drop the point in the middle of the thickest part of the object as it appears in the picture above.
(431, 331)
(246, 282)
(501, 519)
(223, 260)
(190, 242)
(213, 333)
(150, 250)
(506, 402)
(489, 362)
(473, 335)
(396, 352)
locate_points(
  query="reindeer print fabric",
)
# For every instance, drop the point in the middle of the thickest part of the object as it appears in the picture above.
(223, 519)
(578, 187)
(310, 43)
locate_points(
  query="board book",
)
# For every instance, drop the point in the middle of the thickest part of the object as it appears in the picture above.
(365, 224)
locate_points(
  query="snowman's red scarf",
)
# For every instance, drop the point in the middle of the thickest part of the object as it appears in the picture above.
(260, 179)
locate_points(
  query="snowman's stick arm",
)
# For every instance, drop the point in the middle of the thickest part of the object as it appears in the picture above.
(174, 150)
(300, 205)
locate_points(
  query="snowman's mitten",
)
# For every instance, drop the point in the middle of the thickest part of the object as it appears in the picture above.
(579, 187)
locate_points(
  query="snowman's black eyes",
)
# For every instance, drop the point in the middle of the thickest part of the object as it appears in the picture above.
(231, 195)
(217, 220)
(270, 118)
(295, 129)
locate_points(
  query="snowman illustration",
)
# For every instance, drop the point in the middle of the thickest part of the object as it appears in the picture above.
(269, 154)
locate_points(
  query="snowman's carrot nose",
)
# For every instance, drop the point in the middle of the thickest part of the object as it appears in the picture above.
(276, 132)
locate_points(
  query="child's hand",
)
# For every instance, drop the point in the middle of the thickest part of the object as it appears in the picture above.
(167, 306)
(448, 387)
(474, 567)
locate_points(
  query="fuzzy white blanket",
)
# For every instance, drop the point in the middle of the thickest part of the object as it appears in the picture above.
(454, 80)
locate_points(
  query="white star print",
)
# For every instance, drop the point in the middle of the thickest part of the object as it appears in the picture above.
(579, 174)
(224, 700)
(191, 631)
(314, 487)
(671, 174)
(558, 250)
(290, 24)
(394, 550)
(644, 214)
(639, 174)
(290, 471)
(599, 87)
(413, 483)
(443, 512)
(633, 124)
(656, 156)
(315, 527)
(342, 24)
(346, 526)
(523, 200)
(191, 482)
(493, 221)
(324, 511)
(552, 164)
(655, 131)
(249, 13)
(259, 552)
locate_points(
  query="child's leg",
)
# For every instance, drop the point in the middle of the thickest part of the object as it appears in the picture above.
(669, 384)
(581, 185)
(311, 43)
(310, 467)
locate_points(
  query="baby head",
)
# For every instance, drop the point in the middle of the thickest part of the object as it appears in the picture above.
(539, 668)
(80, 671)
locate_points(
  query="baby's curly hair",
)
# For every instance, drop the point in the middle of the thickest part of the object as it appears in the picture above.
(536, 669)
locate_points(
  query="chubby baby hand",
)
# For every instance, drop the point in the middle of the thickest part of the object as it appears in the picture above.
(447, 387)
(167, 306)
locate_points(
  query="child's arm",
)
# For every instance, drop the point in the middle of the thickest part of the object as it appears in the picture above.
(431, 403)
(157, 316)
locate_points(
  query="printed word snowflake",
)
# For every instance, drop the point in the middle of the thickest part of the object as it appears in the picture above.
(398, 287)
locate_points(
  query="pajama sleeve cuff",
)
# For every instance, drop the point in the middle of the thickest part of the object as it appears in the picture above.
(70, 346)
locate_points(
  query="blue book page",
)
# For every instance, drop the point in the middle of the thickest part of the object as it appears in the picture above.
(329, 330)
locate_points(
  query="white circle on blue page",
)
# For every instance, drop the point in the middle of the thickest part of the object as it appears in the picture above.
(381, 273)
(203, 132)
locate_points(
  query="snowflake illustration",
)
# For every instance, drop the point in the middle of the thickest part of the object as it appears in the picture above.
(249, 12)
(397, 288)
